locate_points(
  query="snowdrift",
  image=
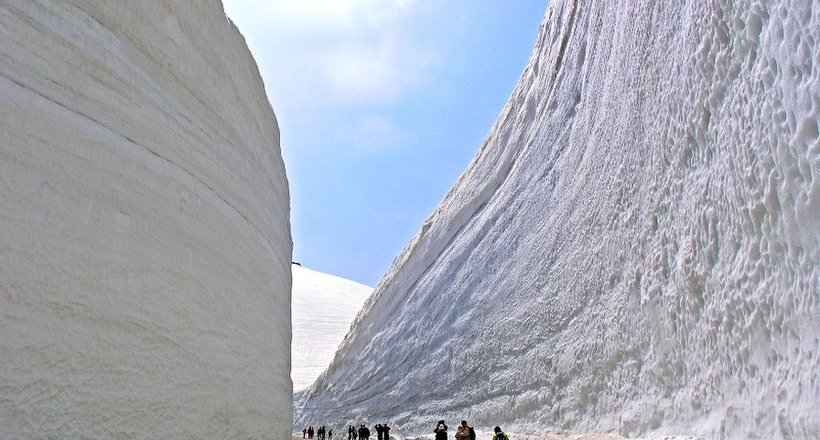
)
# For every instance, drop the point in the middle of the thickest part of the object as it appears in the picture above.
(323, 306)
(635, 248)
(144, 235)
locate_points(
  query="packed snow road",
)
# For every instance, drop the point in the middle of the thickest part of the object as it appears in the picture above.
(488, 436)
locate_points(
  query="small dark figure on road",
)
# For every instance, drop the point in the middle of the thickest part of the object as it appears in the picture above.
(386, 431)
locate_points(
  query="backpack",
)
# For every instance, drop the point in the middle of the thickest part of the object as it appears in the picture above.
(472, 433)
(501, 436)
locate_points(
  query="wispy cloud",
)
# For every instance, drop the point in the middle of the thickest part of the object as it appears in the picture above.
(375, 71)
(336, 15)
(338, 52)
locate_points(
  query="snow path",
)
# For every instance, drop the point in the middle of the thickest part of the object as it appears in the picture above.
(514, 436)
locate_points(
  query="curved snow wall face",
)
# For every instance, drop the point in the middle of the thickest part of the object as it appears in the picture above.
(634, 249)
(145, 257)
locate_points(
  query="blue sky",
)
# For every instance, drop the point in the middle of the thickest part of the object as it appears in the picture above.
(381, 105)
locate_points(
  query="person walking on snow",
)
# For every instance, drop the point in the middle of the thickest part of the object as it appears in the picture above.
(364, 433)
(499, 435)
(441, 430)
(463, 431)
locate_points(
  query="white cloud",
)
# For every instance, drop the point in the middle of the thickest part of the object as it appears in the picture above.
(339, 14)
(334, 52)
(367, 72)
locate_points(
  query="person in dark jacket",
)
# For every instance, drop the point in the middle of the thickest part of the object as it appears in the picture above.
(364, 433)
(441, 430)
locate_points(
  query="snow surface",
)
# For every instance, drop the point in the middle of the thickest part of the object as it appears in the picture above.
(323, 307)
(635, 249)
(144, 226)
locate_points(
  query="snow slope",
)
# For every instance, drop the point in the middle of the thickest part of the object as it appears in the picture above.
(323, 307)
(144, 232)
(635, 248)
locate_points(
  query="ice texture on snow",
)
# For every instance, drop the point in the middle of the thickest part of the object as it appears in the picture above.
(144, 232)
(323, 307)
(635, 248)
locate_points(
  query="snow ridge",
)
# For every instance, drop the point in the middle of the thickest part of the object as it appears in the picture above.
(323, 307)
(635, 249)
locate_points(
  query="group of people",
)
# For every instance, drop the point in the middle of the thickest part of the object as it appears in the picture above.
(465, 432)
(353, 433)
(320, 433)
(363, 432)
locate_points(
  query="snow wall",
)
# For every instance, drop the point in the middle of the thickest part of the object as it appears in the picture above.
(635, 248)
(144, 234)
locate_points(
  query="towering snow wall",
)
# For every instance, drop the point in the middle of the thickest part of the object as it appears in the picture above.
(144, 233)
(634, 249)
